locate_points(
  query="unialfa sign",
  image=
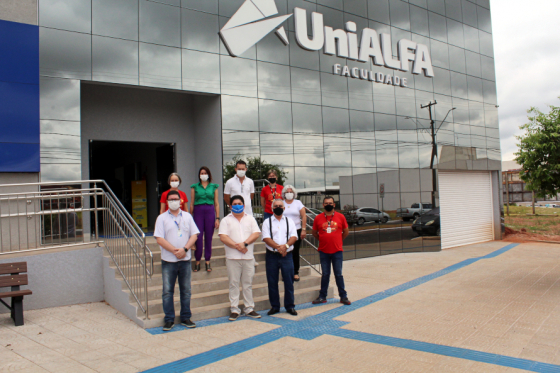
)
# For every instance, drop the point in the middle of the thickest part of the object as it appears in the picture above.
(252, 22)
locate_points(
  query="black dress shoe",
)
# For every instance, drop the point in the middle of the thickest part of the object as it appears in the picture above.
(292, 311)
(273, 311)
(168, 326)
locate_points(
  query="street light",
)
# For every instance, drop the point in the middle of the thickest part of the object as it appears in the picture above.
(434, 147)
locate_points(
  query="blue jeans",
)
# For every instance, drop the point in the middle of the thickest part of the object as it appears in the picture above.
(336, 260)
(170, 272)
(274, 264)
(267, 215)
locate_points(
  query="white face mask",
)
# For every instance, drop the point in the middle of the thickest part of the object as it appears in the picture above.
(204, 177)
(241, 173)
(174, 205)
(289, 196)
(174, 184)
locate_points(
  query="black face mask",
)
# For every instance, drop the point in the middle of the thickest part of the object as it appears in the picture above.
(278, 211)
(329, 208)
(272, 180)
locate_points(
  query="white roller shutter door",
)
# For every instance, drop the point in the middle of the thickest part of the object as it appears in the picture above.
(465, 208)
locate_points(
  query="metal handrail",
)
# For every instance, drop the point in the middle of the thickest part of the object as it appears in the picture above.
(309, 242)
(125, 243)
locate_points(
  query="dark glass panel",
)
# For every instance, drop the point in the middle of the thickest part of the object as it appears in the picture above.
(274, 81)
(200, 31)
(419, 21)
(239, 76)
(70, 15)
(160, 66)
(240, 113)
(399, 14)
(64, 54)
(114, 60)
(118, 19)
(201, 71)
(160, 24)
(275, 116)
(334, 90)
(307, 118)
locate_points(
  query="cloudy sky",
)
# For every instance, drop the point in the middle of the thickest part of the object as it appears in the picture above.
(527, 52)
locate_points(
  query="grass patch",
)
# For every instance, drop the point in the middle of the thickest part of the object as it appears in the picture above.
(547, 221)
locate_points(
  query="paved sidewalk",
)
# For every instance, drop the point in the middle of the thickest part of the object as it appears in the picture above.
(482, 308)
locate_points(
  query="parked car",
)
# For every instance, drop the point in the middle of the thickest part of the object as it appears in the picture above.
(365, 214)
(428, 224)
(414, 211)
(551, 205)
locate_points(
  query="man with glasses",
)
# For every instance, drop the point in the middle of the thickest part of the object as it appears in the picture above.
(279, 233)
(238, 232)
(176, 234)
(240, 185)
(331, 228)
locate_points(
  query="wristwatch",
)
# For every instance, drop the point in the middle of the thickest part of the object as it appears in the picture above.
(186, 249)
(287, 246)
(246, 244)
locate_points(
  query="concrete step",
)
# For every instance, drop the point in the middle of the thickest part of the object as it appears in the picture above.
(217, 263)
(223, 309)
(217, 250)
(222, 296)
(151, 240)
(202, 286)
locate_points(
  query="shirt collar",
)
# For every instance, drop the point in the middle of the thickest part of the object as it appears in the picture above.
(180, 213)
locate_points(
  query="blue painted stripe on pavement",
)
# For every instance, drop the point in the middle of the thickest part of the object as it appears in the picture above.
(411, 284)
(217, 354)
(324, 323)
(225, 319)
(457, 352)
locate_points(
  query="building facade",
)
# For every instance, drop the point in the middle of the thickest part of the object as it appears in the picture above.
(329, 90)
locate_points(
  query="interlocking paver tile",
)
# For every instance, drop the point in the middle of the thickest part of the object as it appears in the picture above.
(498, 309)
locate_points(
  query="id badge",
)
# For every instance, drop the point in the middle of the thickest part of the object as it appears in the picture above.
(179, 233)
(329, 230)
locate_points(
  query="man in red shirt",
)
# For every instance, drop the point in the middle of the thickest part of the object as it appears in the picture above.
(331, 228)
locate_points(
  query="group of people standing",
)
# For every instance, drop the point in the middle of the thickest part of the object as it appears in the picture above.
(180, 227)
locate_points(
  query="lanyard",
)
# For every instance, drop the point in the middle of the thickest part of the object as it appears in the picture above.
(175, 221)
(329, 221)
(273, 191)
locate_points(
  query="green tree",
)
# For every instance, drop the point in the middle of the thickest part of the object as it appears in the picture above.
(539, 151)
(256, 169)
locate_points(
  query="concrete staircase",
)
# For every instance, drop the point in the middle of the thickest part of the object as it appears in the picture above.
(210, 290)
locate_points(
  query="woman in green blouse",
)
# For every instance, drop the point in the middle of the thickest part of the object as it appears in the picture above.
(205, 210)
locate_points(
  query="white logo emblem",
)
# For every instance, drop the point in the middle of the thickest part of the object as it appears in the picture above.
(246, 29)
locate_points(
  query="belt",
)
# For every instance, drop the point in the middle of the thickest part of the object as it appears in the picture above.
(276, 252)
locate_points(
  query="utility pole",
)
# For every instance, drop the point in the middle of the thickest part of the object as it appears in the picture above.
(507, 192)
(434, 151)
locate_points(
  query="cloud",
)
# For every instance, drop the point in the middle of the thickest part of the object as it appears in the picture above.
(526, 57)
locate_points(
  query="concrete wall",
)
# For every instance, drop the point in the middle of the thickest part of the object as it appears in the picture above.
(24, 11)
(62, 278)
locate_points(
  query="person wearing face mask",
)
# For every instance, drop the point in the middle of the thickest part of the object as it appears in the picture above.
(295, 210)
(238, 232)
(176, 234)
(240, 185)
(331, 228)
(174, 181)
(279, 233)
(270, 192)
(205, 209)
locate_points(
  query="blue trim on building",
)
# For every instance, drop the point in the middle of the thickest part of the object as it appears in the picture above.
(19, 97)
(324, 324)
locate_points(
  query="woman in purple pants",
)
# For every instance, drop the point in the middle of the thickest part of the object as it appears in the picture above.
(205, 210)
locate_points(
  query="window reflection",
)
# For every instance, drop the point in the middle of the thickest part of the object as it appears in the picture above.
(200, 31)
(71, 15)
(160, 23)
(201, 71)
(274, 81)
(334, 90)
(60, 99)
(114, 60)
(240, 113)
(239, 76)
(310, 177)
(306, 86)
(64, 54)
(118, 19)
(307, 118)
(275, 116)
(160, 66)
(308, 150)
(240, 143)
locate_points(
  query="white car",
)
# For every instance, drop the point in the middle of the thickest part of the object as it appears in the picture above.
(365, 214)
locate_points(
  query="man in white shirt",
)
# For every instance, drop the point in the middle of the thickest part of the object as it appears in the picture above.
(176, 234)
(238, 231)
(279, 233)
(240, 185)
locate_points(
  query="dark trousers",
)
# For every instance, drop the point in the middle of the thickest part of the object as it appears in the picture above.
(267, 215)
(205, 219)
(274, 264)
(295, 253)
(170, 272)
(336, 261)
